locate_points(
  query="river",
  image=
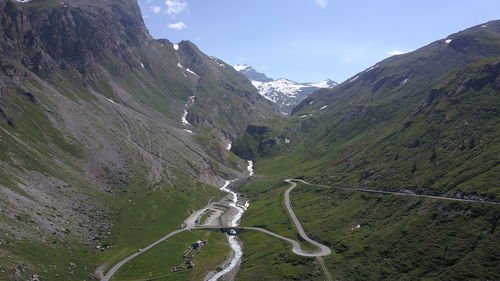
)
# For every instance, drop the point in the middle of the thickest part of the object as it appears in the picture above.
(233, 241)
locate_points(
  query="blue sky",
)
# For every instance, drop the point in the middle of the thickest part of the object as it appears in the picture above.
(311, 40)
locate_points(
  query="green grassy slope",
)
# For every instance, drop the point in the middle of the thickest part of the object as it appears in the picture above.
(92, 148)
(158, 261)
(425, 122)
(375, 237)
(435, 133)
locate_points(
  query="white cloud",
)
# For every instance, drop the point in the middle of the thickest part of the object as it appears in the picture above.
(175, 6)
(321, 3)
(396, 52)
(156, 9)
(177, 26)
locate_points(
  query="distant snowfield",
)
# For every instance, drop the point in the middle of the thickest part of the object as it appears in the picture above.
(283, 92)
(241, 67)
(284, 86)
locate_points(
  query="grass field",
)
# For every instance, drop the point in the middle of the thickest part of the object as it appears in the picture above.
(156, 263)
(375, 237)
(145, 215)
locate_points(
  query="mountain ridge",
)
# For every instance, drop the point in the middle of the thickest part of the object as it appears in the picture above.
(92, 138)
(284, 92)
(421, 123)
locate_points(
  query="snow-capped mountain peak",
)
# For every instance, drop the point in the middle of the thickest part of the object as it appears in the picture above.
(242, 67)
(284, 92)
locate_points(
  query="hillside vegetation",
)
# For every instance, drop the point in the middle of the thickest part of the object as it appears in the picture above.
(96, 159)
(425, 122)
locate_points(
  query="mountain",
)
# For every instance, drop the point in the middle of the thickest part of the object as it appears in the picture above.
(435, 107)
(285, 93)
(108, 137)
(421, 123)
(251, 73)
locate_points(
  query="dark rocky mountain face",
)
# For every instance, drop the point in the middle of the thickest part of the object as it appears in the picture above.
(94, 114)
(252, 74)
(47, 35)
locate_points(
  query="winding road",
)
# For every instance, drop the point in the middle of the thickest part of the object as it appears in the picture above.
(322, 249)
(397, 193)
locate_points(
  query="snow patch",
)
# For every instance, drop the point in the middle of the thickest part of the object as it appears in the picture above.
(189, 131)
(371, 68)
(187, 69)
(240, 67)
(287, 140)
(219, 62)
(229, 146)
(448, 41)
(176, 47)
(353, 79)
(325, 84)
(111, 101)
(192, 72)
(404, 82)
(142, 65)
(323, 107)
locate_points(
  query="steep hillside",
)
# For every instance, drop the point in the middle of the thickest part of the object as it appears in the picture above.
(422, 123)
(286, 94)
(108, 137)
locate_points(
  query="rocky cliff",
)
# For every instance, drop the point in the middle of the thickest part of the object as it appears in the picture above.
(95, 115)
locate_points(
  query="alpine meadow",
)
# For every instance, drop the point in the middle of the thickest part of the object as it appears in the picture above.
(125, 156)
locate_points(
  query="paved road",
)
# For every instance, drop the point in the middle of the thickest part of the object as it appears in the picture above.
(189, 225)
(189, 222)
(398, 193)
(324, 250)
(117, 266)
